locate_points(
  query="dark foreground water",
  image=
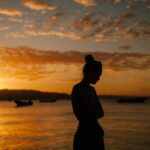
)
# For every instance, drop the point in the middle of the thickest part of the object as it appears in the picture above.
(51, 126)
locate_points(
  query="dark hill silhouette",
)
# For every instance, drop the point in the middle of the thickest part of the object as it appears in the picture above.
(10, 95)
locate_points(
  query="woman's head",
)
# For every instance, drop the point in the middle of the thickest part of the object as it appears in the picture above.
(92, 69)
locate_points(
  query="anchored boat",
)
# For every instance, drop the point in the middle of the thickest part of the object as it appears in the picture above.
(132, 100)
(20, 103)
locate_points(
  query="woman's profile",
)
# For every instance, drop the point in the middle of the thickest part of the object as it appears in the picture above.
(88, 109)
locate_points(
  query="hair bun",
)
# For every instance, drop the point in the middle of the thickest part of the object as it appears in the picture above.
(89, 58)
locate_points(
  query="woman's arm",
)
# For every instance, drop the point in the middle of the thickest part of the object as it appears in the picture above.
(98, 106)
(86, 105)
(83, 107)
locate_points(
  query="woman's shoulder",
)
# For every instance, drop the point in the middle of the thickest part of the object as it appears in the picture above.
(77, 87)
(76, 90)
(81, 87)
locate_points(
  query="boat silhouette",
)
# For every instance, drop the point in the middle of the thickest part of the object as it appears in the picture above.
(132, 100)
(20, 103)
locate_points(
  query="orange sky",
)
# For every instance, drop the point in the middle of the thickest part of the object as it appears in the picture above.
(28, 68)
(43, 44)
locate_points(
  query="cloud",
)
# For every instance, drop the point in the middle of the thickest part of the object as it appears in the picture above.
(2, 19)
(11, 12)
(56, 16)
(12, 19)
(16, 35)
(115, 1)
(86, 23)
(52, 21)
(126, 26)
(15, 20)
(86, 3)
(33, 64)
(128, 15)
(4, 28)
(124, 47)
(38, 5)
(130, 33)
(45, 25)
(61, 34)
(92, 25)
(1, 1)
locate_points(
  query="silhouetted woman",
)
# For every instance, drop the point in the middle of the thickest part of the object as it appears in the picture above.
(88, 109)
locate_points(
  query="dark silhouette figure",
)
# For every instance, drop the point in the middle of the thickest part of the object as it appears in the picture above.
(88, 109)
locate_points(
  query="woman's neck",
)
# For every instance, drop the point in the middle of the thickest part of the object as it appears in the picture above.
(85, 81)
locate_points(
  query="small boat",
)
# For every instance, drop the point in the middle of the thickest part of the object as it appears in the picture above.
(20, 103)
(48, 100)
(132, 100)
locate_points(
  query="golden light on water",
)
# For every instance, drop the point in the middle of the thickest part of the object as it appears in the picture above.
(29, 128)
(52, 125)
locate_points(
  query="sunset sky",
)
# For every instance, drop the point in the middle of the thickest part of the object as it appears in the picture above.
(43, 44)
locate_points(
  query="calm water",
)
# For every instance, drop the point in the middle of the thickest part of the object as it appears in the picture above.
(51, 126)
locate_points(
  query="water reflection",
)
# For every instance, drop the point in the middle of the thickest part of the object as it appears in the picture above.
(51, 126)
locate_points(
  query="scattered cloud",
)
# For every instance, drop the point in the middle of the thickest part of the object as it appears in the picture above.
(4, 28)
(38, 5)
(10, 12)
(61, 34)
(15, 20)
(16, 35)
(52, 21)
(87, 23)
(86, 3)
(2, 19)
(56, 15)
(1, 1)
(125, 26)
(92, 24)
(124, 47)
(33, 64)
(115, 1)
(128, 15)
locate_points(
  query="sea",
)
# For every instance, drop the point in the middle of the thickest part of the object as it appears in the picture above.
(51, 126)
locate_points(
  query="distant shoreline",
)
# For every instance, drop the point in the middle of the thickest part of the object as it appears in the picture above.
(10, 95)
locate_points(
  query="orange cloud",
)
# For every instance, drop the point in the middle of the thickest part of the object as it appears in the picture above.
(2, 19)
(38, 5)
(124, 47)
(32, 64)
(52, 21)
(86, 23)
(56, 15)
(86, 2)
(16, 20)
(27, 55)
(122, 27)
(11, 12)
(4, 28)
(16, 35)
(1, 1)
(61, 34)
